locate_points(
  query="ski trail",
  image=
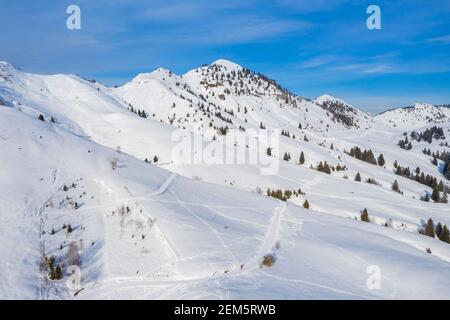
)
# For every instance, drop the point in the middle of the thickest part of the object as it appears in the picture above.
(110, 285)
(317, 285)
(357, 257)
(164, 186)
(269, 241)
(214, 231)
(313, 182)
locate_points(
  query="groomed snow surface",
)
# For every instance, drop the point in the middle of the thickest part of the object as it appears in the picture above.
(179, 231)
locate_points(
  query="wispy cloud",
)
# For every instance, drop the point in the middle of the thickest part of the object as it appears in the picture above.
(442, 39)
(308, 6)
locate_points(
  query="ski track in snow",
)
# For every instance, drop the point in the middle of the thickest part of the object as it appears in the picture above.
(105, 288)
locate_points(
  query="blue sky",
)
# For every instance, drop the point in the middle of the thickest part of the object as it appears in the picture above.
(310, 47)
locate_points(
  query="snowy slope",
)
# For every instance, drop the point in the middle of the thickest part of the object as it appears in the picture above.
(416, 116)
(344, 112)
(197, 230)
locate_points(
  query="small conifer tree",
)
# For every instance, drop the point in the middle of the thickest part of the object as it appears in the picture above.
(429, 228)
(365, 215)
(306, 204)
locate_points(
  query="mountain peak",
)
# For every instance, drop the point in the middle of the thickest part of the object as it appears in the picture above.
(156, 74)
(420, 105)
(227, 64)
(328, 98)
(415, 116)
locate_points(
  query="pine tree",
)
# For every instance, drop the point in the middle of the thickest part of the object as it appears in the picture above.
(381, 161)
(326, 168)
(365, 216)
(444, 198)
(155, 159)
(358, 177)
(441, 186)
(395, 186)
(445, 235)
(434, 161)
(435, 195)
(438, 230)
(429, 229)
(55, 271)
(302, 158)
(41, 117)
(58, 273)
(269, 151)
(320, 166)
(306, 204)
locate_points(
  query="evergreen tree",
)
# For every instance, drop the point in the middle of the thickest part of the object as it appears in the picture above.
(41, 117)
(435, 195)
(155, 159)
(306, 204)
(326, 168)
(365, 215)
(381, 161)
(58, 273)
(434, 161)
(358, 177)
(444, 198)
(439, 230)
(302, 158)
(445, 235)
(55, 271)
(395, 186)
(320, 166)
(429, 229)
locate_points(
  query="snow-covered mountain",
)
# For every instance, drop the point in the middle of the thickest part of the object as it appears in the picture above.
(76, 188)
(222, 94)
(418, 115)
(344, 112)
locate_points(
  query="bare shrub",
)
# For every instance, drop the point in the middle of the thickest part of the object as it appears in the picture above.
(268, 260)
(114, 164)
